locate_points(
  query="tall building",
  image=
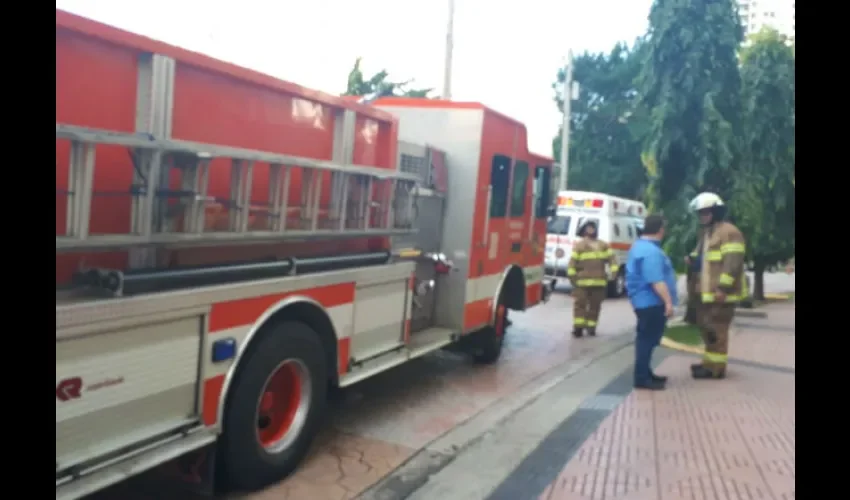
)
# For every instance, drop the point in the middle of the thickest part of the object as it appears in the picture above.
(776, 14)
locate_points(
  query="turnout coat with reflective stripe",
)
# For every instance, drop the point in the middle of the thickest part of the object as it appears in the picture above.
(588, 261)
(722, 247)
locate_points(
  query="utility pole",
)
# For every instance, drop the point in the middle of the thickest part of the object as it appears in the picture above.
(565, 127)
(447, 71)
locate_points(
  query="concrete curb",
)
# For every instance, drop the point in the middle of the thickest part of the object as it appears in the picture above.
(750, 313)
(440, 452)
(437, 455)
(678, 346)
(739, 313)
(677, 321)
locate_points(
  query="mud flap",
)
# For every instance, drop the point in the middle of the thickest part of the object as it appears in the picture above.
(193, 473)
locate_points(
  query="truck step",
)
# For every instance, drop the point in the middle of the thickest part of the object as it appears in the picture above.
(131, 464)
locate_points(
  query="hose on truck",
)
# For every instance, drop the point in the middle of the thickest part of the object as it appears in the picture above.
(138, 281)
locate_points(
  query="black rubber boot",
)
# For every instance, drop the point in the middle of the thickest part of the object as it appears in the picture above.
(652, 385)
(658, 378)
(702, 372)
(577, 332)
(591, 331)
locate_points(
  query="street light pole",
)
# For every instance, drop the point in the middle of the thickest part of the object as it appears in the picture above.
(447, 70)
(565, 126)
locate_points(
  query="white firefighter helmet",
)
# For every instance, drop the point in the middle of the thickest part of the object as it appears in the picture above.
(705, 200)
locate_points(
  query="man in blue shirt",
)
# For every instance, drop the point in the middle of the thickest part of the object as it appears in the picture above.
(651, 283)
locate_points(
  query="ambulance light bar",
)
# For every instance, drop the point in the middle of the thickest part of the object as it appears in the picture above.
(564, 201)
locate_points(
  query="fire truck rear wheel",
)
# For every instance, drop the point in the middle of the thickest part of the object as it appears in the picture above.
(488, 347)
(274, 409)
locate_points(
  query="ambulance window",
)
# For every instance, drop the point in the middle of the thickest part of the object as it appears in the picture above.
(518, 189)
(542, 190)
(500, 179)
(631, 233)
(617, 230)
(559, 224)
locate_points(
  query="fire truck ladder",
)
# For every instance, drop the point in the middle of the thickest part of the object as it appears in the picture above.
(364, 201)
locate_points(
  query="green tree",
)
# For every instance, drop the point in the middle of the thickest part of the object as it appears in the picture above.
(690, 85)
(379, 85)
(606, 130)
(763, 204)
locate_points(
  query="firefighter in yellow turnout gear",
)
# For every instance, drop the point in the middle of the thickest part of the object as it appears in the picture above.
(586, 272)
(717, 265)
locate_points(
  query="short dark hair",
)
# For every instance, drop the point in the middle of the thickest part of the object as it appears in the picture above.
(653, 224)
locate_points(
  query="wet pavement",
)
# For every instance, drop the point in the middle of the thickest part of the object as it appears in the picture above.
(380, 423)
(720, 439)
(442, 406)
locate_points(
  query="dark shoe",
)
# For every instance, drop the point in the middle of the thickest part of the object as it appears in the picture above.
(577, 332)
(508, 322)
(658, 378)
(591, 332)
(652, 385)
(702, 372)
(696, 366)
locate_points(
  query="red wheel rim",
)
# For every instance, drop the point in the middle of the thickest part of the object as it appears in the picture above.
(282, 408)
(500, 320)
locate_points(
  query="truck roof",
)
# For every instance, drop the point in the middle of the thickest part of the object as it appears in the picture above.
(78, 24)
(424, 102)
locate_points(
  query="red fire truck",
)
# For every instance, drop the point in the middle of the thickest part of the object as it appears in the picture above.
(229, 247)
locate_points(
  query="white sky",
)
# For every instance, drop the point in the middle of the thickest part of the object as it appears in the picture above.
(506, 53)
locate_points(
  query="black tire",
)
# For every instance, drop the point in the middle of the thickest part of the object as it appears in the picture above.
(489, 341)
(617, 287)
(244, 463)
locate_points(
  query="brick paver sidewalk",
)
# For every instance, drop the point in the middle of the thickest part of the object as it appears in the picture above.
(730, 439)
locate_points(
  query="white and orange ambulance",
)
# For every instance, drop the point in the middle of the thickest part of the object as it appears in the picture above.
(619, 221)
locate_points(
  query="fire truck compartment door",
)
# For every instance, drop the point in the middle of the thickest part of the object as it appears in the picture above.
(123, 383)
(379, 315)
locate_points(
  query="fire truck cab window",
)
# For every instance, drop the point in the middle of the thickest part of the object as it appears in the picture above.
(500, 180)
(518, 189)
(542, 191)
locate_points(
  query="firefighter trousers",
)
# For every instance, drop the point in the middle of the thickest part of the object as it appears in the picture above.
(714, 321)
(587, 302)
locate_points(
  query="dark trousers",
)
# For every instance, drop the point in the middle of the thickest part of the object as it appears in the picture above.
(651, 323)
